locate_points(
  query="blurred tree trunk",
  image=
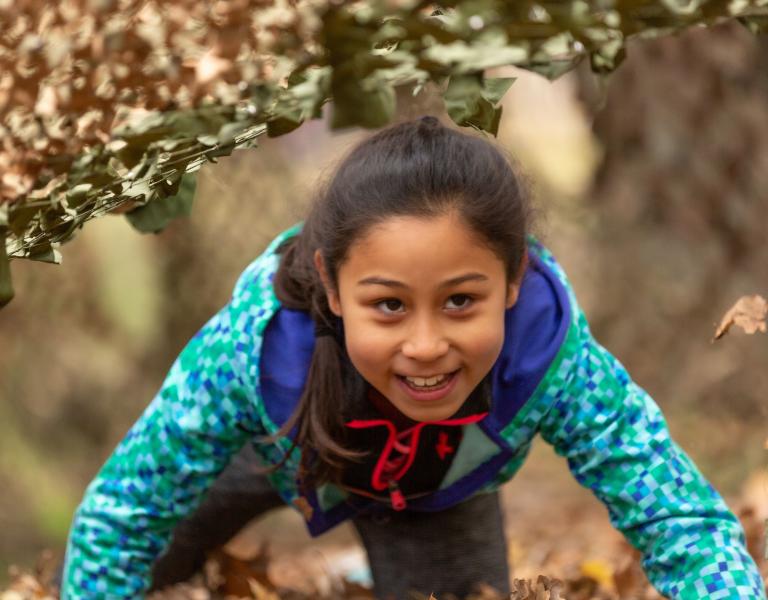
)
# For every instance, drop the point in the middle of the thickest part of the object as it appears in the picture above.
(681, 199)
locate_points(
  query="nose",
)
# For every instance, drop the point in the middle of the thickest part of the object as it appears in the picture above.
(425, 341)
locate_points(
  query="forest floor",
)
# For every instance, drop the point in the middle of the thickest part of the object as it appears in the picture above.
(555, 528)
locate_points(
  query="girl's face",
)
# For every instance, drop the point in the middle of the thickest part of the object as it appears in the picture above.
(423, 304)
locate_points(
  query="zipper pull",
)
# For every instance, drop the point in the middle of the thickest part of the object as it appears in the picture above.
(396, 496)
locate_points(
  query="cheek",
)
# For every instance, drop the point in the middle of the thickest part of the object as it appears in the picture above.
(365, 350)
(486, 342)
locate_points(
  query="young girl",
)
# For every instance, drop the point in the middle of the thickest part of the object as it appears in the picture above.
(392, 359)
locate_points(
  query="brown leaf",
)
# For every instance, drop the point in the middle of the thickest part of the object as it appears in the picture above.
(582, 588)
(546, 588)
(628, 577)
(33, 586)
(749, 313)
(241, 577)
(259, 591)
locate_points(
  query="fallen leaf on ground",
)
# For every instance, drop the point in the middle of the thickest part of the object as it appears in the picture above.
(598, 570)
(544, 589)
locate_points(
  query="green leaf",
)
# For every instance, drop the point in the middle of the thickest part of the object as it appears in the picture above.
(309, 91)
(230, 131)
(471, 101)
(355, 103)
(462, 95)
(608, 56)
(756, 24)
(77, 194)
(156, 215)
(19, 216)
(220, 150)
(682, 7)
(495, 88)
(208, 140)
(467, 58)
(6, 285)
(555, 68)
(45, 252)
(284, 123)
(138, 190)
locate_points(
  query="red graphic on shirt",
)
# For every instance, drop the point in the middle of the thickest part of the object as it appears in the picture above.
(442, 447)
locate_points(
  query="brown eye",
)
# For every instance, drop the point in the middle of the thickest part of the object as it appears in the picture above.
(390, 306)
(460, 301)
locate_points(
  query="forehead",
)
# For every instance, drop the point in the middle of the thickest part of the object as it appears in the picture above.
(420, 248)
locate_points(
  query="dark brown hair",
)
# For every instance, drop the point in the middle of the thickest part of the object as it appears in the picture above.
(418, 168)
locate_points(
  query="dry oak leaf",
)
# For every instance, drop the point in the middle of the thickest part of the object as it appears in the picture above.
(544, 589)
(260, 592)
(749, 313)
(241, 577)
(35, 585)
(27, 587)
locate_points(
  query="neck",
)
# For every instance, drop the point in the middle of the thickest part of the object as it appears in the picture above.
(388, 410)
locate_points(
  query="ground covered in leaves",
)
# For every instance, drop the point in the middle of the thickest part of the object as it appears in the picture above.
(561, 547)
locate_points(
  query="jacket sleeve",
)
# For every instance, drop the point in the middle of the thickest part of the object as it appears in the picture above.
(617, 443)
(206, 410)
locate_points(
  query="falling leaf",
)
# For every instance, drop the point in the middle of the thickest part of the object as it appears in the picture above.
(749, 313)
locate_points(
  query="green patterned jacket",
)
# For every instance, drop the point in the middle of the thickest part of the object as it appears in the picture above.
(581, 401)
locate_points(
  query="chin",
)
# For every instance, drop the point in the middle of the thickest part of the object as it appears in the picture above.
(428, 413)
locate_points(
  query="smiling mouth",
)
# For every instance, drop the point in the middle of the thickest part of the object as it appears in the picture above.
(434, 382)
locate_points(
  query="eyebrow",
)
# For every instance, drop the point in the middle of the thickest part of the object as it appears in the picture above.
(374, 280)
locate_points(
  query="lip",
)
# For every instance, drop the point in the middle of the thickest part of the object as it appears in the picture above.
(428, 376)
(431, 395)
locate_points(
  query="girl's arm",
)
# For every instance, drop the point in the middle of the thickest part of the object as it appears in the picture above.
(201, 416)
(206, 410)
(617, 443)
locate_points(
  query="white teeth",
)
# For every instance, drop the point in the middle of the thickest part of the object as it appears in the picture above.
(427, 381)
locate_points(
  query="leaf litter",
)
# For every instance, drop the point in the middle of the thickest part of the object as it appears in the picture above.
(227, 577)
(574, 556)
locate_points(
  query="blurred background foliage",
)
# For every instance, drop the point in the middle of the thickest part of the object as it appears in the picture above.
(650, 192)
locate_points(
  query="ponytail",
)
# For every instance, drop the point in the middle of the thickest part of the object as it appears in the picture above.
(319, 416)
